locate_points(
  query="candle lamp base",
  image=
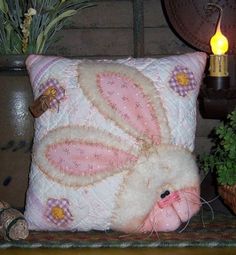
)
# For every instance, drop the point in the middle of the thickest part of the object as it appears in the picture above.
(217, 83)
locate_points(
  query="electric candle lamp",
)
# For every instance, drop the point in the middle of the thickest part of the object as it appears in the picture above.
(218, 70)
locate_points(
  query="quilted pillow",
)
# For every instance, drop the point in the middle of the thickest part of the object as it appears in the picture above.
(113, 148)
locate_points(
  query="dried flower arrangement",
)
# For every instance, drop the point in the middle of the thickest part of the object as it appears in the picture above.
(29, 26)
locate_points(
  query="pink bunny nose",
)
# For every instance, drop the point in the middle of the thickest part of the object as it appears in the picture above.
(169, 199)
(172, 209)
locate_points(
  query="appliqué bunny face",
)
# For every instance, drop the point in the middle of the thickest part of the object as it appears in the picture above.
(164, 189)
(178, 193)
(111, 159)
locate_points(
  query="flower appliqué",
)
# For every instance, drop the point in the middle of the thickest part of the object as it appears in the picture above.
(58, 211)
(182, 80)
(52, 88)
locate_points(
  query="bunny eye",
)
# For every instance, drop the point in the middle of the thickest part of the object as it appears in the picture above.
(164, 194)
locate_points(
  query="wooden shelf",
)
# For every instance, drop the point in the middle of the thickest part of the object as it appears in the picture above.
(229, 94)
(216, 104)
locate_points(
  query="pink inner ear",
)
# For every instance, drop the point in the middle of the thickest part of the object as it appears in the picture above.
(78, 158)
(129, 101)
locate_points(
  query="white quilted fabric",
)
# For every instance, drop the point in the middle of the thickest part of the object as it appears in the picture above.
(60, 199)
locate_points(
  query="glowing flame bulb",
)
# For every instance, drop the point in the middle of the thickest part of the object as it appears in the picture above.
(218, 67)
(219, 43)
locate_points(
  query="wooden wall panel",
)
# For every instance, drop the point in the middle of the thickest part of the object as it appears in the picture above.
(94, 42)
(107, 29)
(163, 41)
(102, 30)
(153, 15)
(202, 145)
(106, 14)
(204, 128)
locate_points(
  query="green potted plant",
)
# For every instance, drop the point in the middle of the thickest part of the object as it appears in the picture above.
(30, 26)
(222, 159)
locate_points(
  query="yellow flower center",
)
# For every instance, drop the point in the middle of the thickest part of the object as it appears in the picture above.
(57, 213)
(182, 78)
(51, 92)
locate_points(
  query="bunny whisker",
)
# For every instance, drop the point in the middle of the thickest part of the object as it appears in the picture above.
(208, 203)
(150, 233)
(203, 222)
(204, 202)
(154, 228)
(210, 207)
(135, 231)
(187, 223)
(212, 200)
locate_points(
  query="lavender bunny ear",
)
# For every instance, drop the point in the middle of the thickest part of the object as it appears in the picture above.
(78, 156)
(127, 97)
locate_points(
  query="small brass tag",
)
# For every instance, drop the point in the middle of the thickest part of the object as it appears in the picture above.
(50, 98)
(40, 105)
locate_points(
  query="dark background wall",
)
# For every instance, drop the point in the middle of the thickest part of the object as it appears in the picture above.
(105, 30)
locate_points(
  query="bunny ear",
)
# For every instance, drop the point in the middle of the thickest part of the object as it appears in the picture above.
(126, 96)
(78, 156)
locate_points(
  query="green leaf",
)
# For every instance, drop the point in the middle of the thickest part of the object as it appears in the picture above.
(3, 6)
(41, 39)
(222, 158)
(49, 19)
